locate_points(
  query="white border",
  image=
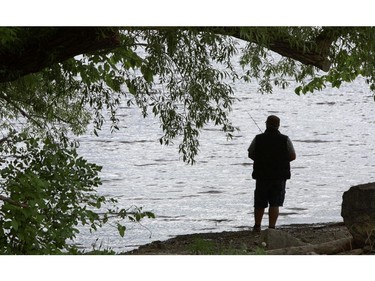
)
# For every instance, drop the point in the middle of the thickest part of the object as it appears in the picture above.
(182, 13)
(288, 268)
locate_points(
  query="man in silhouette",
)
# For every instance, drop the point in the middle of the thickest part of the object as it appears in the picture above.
(272, 153)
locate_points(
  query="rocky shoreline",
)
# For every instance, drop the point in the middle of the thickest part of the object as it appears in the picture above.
(243, 242)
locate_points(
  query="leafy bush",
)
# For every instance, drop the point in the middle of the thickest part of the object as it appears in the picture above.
(47, 191)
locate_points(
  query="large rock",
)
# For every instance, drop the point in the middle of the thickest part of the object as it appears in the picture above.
(276, 239)
(358, 211)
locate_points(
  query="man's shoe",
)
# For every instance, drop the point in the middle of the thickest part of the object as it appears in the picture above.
(256, 228)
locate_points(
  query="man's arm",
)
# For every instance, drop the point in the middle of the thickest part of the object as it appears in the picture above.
(292, 152)
(251, 150)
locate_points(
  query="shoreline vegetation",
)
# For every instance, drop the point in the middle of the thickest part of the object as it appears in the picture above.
(245, 242)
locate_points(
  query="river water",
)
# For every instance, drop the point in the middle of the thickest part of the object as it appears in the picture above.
(333, 132)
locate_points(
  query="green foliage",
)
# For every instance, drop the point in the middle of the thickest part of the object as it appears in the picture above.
(351, 54)
(53, 192)
(53, 182)
(8, 36)
(180, 84)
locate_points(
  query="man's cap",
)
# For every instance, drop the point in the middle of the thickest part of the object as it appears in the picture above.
(273, 121)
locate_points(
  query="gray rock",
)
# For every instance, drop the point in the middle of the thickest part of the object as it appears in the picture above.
(277, 239)
(358, 212)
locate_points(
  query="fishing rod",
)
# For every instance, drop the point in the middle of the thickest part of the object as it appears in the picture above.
(255, 122)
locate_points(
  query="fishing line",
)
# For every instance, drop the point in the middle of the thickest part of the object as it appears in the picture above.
(255, 122)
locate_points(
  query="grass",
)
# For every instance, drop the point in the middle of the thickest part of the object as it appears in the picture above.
(201, 246)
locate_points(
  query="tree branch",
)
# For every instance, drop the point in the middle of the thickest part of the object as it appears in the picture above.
(20, 110)
(11, 201)
(310, 53)
(43, 47)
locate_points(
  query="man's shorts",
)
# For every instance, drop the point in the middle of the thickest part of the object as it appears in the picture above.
(269, 192)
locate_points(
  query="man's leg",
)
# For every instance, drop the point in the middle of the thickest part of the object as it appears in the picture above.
(260, 203)
(258, 215)
(273, 214)
(276, 200)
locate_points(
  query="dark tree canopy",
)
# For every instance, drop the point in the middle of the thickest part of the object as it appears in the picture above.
(37, 48)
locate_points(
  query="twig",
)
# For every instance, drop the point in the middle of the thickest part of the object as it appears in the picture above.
(20, 110)
(11, 201)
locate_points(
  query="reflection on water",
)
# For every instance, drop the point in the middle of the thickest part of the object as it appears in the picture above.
(333, 132)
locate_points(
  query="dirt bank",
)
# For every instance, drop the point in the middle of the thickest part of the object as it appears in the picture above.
(239, 242)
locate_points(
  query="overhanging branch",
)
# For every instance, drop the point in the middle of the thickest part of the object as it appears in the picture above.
(310, 53)
(47, 46)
